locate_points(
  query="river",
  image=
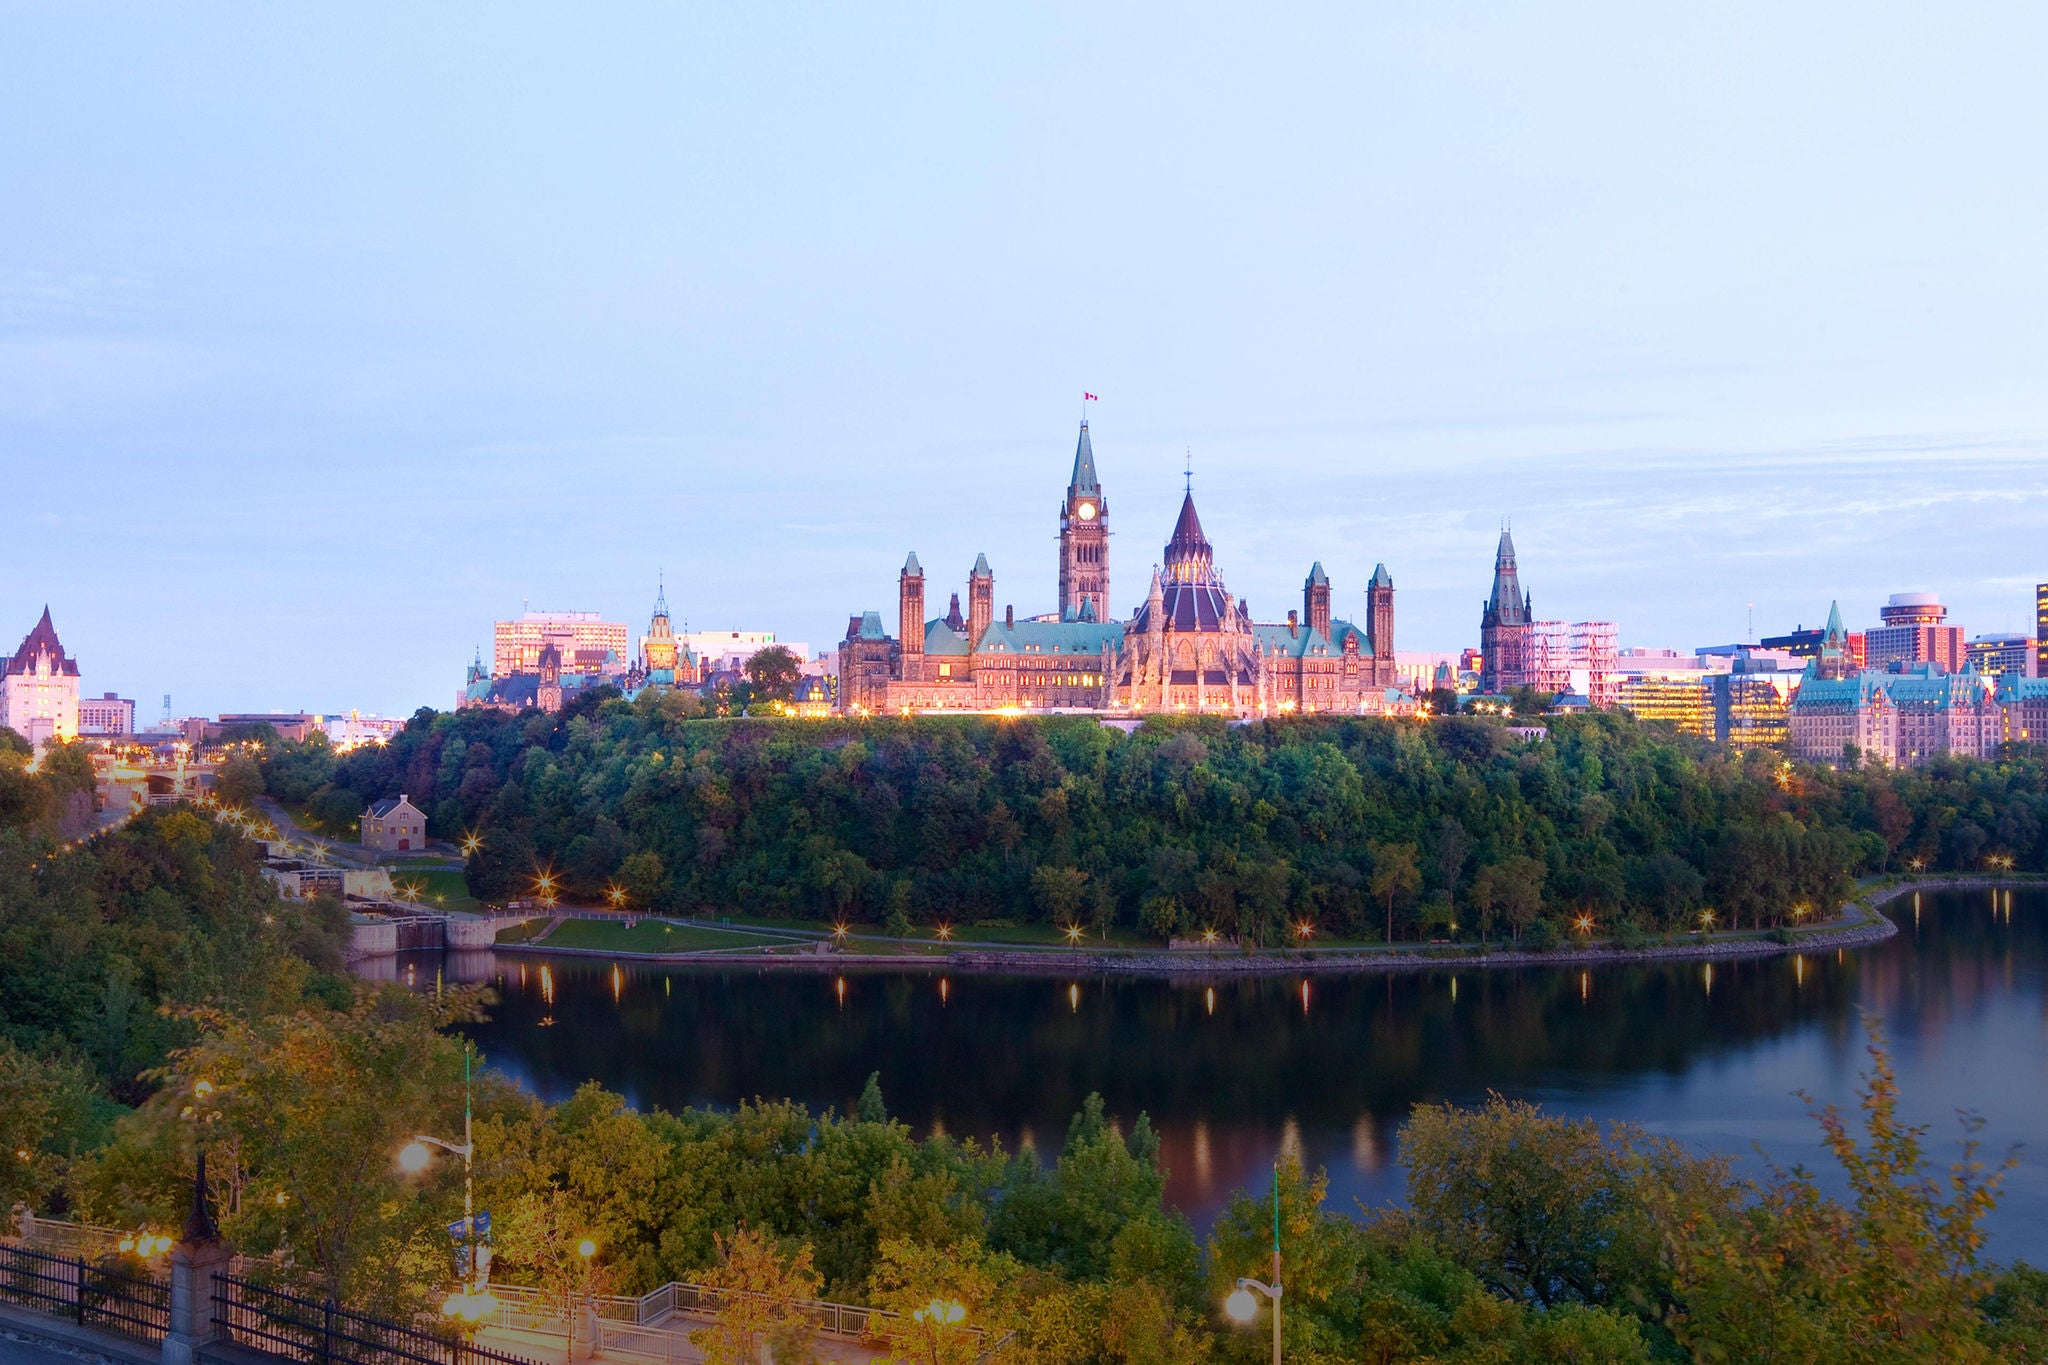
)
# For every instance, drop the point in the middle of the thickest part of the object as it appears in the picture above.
(1232, 1070)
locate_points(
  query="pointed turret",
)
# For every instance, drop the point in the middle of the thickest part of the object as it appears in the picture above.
(1316, 574)
(911, 568)
(1084, 482)
(1380, 577)
(1507, 606)
(1189, 558)
(1835, 633)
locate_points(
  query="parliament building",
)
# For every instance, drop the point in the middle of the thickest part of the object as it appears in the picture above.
(1191, 646)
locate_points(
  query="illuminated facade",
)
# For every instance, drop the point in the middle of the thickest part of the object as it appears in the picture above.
(1914, 632)
(1192, 646)
(39, 688)
(2041, 630)
(106, 715)
(1996, 655)
(585, 641)
(1906, 719)
(1682, 703)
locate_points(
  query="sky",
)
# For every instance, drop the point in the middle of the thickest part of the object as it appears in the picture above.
(328, 334)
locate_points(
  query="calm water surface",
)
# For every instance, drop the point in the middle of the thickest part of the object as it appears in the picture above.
(1231, 1071)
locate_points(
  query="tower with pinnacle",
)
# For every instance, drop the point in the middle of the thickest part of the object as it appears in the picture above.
(1084, 539)
(1504, 625)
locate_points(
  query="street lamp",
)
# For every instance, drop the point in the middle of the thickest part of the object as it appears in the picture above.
(472, 1301)
(1242, 1306)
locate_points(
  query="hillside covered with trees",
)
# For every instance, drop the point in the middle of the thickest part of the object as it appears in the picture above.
(1181, 826)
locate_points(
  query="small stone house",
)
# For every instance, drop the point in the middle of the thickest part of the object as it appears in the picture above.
(394, 826)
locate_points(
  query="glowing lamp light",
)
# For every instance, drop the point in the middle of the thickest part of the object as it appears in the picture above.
(1073, 933)
(1241, 1306)
(586, 1248)
(203, 1089)
(1208, 936)
(414, 1158)
(941, 1313)
(1304, 930)
(1584, 924)
(945, 931)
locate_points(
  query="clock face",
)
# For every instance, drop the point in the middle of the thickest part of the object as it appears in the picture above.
(1087, 511)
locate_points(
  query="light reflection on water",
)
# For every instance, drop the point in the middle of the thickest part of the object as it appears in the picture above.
(1233, 1070)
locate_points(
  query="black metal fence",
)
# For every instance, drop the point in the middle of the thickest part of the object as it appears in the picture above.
(104, 1293)
(323, 1333)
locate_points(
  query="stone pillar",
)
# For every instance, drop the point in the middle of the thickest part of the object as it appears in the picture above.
(197, 1263)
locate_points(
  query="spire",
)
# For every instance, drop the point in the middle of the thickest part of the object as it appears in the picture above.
(981, 568)
(1316, 576)
(1189, 557)
(1380, 577)
(911, 568)
(1835, 633)
(1507, 606)
(199, 1224)
(660, 596)
(43, 639)
(1084, 480)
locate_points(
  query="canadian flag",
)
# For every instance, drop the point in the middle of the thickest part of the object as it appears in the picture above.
(1090, 398)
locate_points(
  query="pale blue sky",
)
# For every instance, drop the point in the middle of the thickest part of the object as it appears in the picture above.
(327, 336)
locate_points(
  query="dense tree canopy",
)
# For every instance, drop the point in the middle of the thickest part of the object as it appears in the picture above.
(1184, 825)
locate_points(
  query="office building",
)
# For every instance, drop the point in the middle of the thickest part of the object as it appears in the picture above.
(1995, 655)
(106, 715)
(1915, 631)
(583, 640)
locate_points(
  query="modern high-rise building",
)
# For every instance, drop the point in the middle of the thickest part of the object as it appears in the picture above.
(1915, 631)
(2041, 630)
(586, 642)
(106, 715)
(2000, 654)
(1683, 703)
(39, 688)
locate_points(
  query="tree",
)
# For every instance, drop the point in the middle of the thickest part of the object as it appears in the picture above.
(763, 1302)
(1511, 889)
(1892, 1277)
(1059, 891)
(773, 673)
(239, 781)
(1550, 1210)
(940, 1294)
(315, 1105)
(1395, 877)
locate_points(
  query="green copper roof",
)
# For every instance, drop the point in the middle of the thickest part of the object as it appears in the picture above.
(939, 638)
(1834, 630)
(981, 568)
(1051, 637)
(911, 567)
(1084, 467)
(1380, 577)
(1316, 575)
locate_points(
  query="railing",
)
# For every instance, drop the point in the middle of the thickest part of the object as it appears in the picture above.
(323, 1333)
(102, 1294)
(75, 1239)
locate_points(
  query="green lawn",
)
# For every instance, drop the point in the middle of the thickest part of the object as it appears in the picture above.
(434, 882)
(646, 936)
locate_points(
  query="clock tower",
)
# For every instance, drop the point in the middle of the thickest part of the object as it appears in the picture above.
(1084, 540)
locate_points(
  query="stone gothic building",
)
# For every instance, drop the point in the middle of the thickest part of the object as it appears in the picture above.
(1506, 656)
(1191, 646)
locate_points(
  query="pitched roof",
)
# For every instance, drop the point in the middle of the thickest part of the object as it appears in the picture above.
(941, 638)
(871, 626)
(1316, 574)
(1084, 467)
(380, 809)
(912, 568)
(1380, 577)
(981, 568)
(1050, 637)
(41, 640)
(1506, 606)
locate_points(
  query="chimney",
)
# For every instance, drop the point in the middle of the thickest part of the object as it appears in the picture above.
(853, 627)
(1009, 614)
(1293, 622)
